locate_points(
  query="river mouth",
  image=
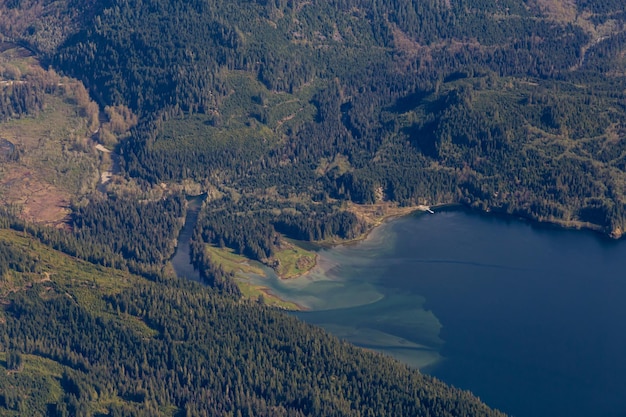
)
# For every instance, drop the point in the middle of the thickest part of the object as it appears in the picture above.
(336, 296)
(504, 308)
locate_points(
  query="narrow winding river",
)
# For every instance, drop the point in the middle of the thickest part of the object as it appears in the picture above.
(181, 260)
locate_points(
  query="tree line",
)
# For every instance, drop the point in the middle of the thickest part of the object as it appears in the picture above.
(196, 353)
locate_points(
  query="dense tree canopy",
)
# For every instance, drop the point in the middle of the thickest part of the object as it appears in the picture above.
(283, 112)
(427, 101)
(87, 341)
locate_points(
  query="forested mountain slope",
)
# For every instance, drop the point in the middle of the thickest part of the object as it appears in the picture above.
(284, 112)
(512, 106)
(81, 340)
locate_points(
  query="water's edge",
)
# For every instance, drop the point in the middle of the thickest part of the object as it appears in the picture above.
(508, 308)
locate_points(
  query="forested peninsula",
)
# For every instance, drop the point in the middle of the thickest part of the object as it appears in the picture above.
(299, 121)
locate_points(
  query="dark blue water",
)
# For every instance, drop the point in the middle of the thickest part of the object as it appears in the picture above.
(531, 319)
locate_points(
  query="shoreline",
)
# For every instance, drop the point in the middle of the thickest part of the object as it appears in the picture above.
(382, 214)
(391, 212)
(377, 215)
(267, 293)
(575, 225)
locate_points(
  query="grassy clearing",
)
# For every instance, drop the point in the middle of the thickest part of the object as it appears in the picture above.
(231, 262)
(340, 163)
(71, 272)
(197, 132)
(37, 365)
(253, 292)
(293, 261)
(241, 266)
(250, 102)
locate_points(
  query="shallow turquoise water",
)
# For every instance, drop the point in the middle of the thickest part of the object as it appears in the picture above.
(531, 319)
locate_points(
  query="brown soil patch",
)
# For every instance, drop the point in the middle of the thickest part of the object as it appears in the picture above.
(39, 201)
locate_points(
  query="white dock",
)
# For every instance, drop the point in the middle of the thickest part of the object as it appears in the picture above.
(422, 207)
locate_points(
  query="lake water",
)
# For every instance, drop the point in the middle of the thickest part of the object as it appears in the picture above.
(531, 319)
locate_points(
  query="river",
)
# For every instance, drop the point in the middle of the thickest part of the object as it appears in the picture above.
(530, 318)
(181, 260)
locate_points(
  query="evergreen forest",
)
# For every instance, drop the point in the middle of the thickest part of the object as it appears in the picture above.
(292, 118)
